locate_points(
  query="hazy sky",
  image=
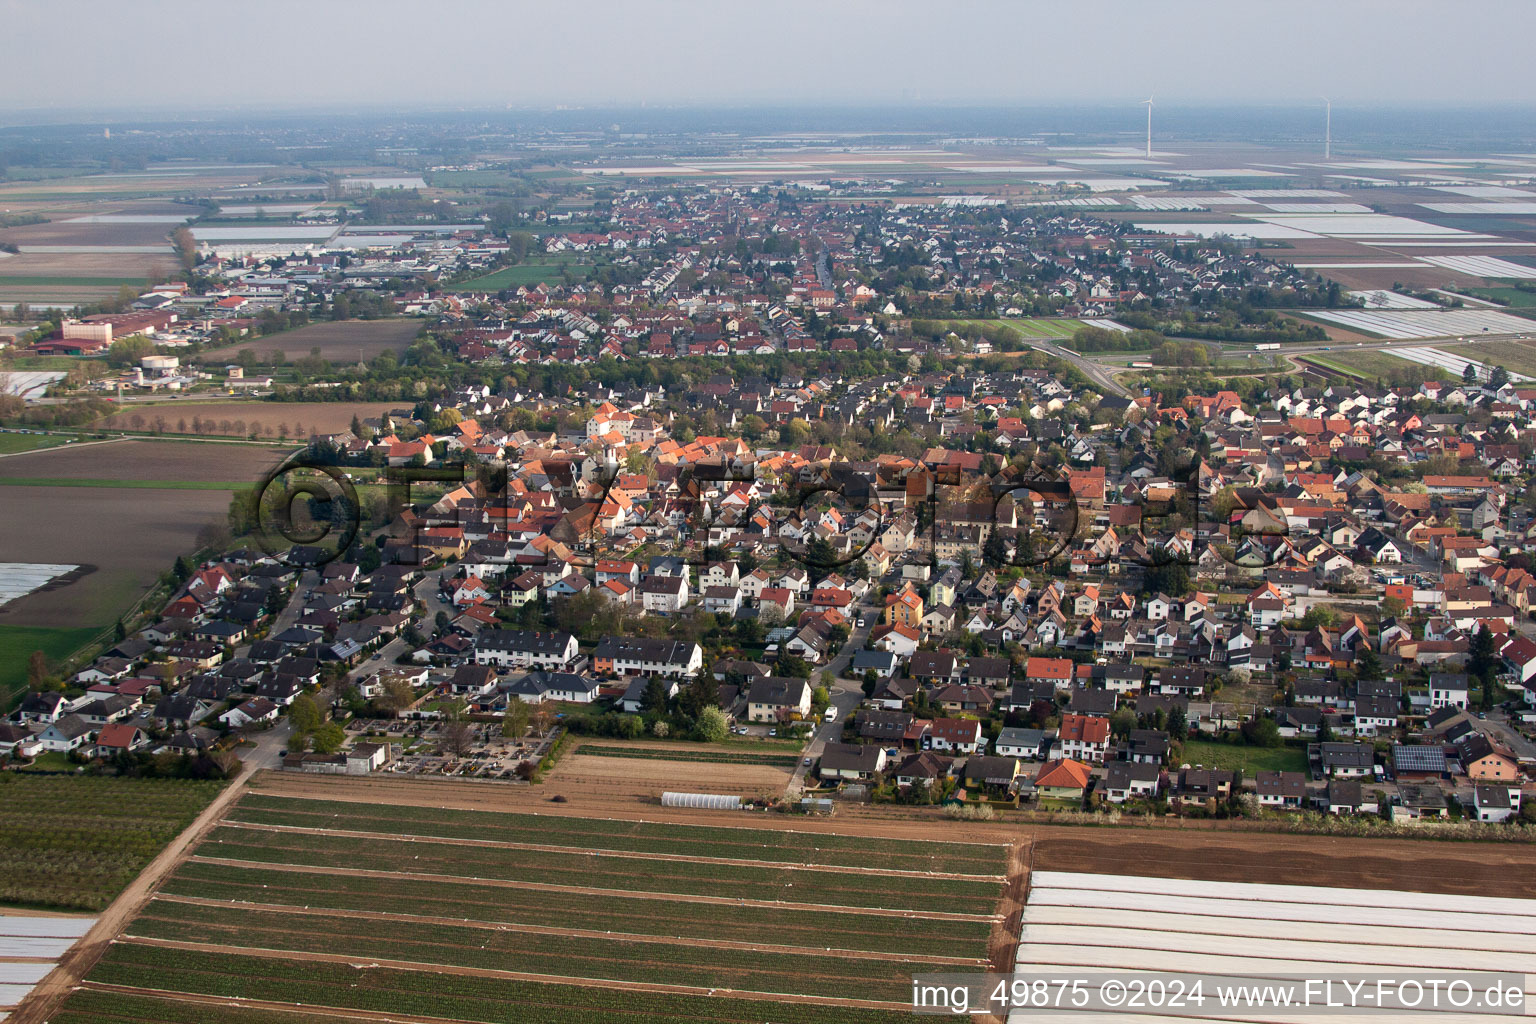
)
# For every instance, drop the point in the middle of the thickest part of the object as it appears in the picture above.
(154, 56)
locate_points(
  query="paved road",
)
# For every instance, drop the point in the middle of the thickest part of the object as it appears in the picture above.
(1497, 728)
(1097, 372)
(846, 695)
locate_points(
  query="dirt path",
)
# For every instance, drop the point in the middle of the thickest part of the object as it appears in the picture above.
(626, 854)
(554, 928)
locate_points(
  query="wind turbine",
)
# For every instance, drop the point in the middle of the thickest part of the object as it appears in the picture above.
(1327, 129)
(1148, 102)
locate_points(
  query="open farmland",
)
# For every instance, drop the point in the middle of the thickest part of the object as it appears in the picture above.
(132, 460)
(122, 510)
(344, 341)
(1220, 932)
(1518, 357)
(75, 842)
(240, 419)
(702, 756)
(1366, 364)
(1425, 323)
(638, 774)
(488, 916)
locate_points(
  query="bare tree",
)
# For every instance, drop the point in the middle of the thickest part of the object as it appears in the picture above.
(455, 737)
(398, 694)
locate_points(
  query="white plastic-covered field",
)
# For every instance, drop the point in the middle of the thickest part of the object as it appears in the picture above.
(1082, 925)
(1317, 208)
(1167, 203)
(1482, 266)
(1379, 298)
(1359, 225)
(1285, 193)
(1486, 191)
(29, 949)
(1241, 229)
(18, 579)
(1457, 365)
(1508, 209)
(1414, 323)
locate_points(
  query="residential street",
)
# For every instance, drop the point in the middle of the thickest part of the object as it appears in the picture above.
(846, 695)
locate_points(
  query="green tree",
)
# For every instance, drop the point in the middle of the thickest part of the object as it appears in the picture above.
(1483, 662)
(1368, 664)
(399, 694)
(712, 726)
(329, 738)
(1469, 374)
(654, 699)
(1122, 722)
(304, 714)
(1178, 723)
(515, 722)
(1261, 731)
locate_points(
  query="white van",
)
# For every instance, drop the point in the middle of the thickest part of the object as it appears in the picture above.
(831, 715)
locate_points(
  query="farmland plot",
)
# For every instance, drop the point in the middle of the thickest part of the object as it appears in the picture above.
(309, 909)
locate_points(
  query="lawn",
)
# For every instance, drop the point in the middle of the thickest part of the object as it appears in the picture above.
(1050, 330)
(11, 443)
(1231, 757)
(16, 646)
(75, 842)
(548, 271)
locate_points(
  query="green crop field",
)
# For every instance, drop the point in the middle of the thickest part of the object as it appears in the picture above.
(1049, 330)
(16, 646)
(1514, 297)
(661, 961)
(548, 270)
(615, 912)
(676, 754)
(76, 841)
(428, 993)
(26, 281)
(406, 921)
(615, 871)
(624, 836)
(1230, 757)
